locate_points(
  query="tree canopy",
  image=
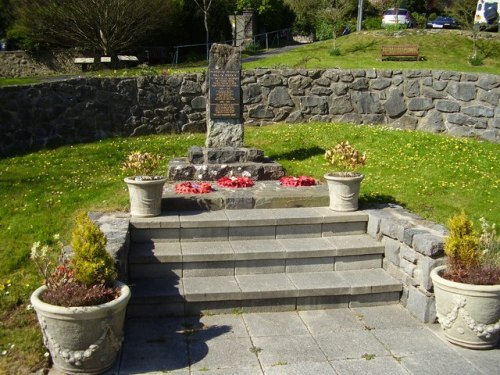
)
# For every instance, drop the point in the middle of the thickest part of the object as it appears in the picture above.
(102, 27)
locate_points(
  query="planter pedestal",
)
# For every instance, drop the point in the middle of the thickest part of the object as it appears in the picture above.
(469, 314)
(82, 340)
(344, 191)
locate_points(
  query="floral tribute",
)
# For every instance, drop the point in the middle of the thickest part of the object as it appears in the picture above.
(297, 181)
(235, 182)
(193, 188)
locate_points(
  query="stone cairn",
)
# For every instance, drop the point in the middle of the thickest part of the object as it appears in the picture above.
(224, 153)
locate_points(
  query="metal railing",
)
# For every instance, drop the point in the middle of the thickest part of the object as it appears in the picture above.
(276, 39)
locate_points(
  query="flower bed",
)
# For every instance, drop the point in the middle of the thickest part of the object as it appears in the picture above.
(193, 188)
(297, 181)
(235, 182)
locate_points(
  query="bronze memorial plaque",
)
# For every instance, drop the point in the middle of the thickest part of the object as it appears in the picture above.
(224, 94)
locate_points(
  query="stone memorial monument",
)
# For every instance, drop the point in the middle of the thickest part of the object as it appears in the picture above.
(224, 153)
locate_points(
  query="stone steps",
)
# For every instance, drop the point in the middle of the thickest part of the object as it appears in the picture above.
(188, 262)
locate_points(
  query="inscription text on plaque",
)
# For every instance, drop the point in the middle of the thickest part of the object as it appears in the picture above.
(224, 86)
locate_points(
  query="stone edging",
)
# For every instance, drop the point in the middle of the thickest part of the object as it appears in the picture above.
(413, 247)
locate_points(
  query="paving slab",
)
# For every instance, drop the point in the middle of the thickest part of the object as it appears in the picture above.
(440, 363)
(217, 288)
(342, 341)
(373, 365)
(272, 324)
(350, 344)
(302, 368)
(201, 251)
(330, 321)
(386, 317)
(223, 353)
(289, 349)
(410, 340)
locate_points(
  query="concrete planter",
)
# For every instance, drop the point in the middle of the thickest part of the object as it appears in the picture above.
(145, 196)
(469, 314)
(82, 340)
(344, 191)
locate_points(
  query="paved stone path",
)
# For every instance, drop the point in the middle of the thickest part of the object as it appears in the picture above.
(369, 340)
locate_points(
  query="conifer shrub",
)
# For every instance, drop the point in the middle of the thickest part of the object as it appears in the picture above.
(91, 263)
(472, 258)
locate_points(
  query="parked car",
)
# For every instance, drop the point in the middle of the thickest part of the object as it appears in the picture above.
(487, 14)
(394, 16)
(442, 22)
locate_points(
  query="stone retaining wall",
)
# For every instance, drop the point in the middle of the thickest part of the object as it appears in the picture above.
(83, 109)
(413, 247)
(14, 64)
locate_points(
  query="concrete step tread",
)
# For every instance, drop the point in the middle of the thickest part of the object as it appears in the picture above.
(247, 218)
(235, 250)
(264, 194)
(265, 286)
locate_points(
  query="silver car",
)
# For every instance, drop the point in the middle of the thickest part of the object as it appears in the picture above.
(394, 16)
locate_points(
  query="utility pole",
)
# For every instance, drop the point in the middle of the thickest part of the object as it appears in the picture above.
(360, 15)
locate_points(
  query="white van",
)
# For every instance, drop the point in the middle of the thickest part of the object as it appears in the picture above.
(487, 14)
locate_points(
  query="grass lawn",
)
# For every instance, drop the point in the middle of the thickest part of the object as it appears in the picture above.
(440, 50)
(433, 175)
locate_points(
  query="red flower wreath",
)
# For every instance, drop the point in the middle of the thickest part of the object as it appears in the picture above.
(193, 188)
(235, 182)
(297, 181)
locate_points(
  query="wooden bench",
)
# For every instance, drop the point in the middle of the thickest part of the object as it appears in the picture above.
(410, 50)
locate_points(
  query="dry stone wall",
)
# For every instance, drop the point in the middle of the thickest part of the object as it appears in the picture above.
(413, 248)
(82, 109)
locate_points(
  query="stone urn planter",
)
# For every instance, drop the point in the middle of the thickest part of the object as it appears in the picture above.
(82, 340)
(344, 191)
(469, 314)
(145, 196)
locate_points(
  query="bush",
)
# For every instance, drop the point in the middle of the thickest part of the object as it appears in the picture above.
(472, 259)
(323, 30)
(252, 48)
(334, 51)
(476, 60)
(420, 20)
(395, 27)
(91, 262)
(372, 23)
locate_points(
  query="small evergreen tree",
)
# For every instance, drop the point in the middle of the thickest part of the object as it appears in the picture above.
(91, 263)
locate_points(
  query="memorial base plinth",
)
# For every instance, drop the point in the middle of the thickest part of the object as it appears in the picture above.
(210, 164)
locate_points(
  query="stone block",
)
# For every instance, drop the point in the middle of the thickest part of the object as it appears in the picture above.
(448, 106)
(421, 305)
(323, 264)
(255, 267)
(465, 91)
(297, 231)
(248, 233)
(408, 254)
(334, 229)
(407, 267)
(373, 226)
(392, 249)
(426, 265)
(206, 269)
(358, 262)
(365, 300)
(428, 244)
(322, 302)
(420, 104)
(139, 271)
(478, 111)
